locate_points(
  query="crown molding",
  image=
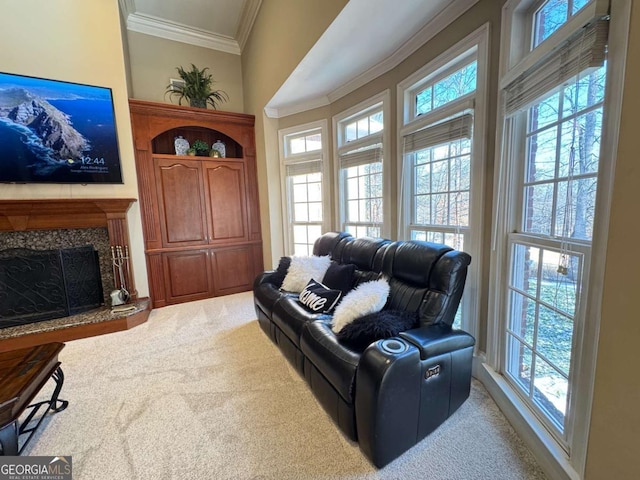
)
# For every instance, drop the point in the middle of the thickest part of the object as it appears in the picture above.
(127, 7)
(159, 27)
(297, 107)
(426, 33)
(247, 19)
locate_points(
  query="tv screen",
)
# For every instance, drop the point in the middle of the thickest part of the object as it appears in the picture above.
(56, 132)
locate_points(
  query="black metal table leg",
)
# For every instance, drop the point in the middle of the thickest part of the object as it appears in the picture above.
(58, 377)
(54, 404)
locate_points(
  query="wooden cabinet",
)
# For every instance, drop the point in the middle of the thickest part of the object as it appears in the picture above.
(200, 214)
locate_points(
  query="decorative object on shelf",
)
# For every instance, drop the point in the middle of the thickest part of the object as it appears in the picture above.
(191, 152)
(214, 153)
(197, 88)
(220, 147)
(201, 147)
(181, 145)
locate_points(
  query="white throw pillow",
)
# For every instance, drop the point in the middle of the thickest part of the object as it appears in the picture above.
(303, 269)
(368, 297)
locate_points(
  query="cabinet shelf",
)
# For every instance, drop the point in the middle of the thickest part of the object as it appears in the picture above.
(169, 156)
(164, 143)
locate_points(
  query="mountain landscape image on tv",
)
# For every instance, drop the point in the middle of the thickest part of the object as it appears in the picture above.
(56, 132)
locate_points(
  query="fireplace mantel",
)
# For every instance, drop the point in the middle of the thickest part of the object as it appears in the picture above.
(49, 214)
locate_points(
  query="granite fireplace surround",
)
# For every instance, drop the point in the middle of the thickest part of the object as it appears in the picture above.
(61, 223)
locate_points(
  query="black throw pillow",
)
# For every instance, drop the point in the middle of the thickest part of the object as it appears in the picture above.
(365, 330)
(318, 298)
(339, 277)
(281, 271)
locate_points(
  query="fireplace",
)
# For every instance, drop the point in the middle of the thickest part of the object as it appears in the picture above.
(54, 224)
(63, 223)
(39, 285)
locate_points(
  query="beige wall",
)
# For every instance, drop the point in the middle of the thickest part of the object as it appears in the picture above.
(77, 41)
(278, 42)
(153, 62)
(615, 418)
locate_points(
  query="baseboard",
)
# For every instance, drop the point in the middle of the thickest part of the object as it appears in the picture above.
(553, 460)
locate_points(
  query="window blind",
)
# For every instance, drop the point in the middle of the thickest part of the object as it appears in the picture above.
(304, 168)
(585, 49)
(447, 131)
(361, 157)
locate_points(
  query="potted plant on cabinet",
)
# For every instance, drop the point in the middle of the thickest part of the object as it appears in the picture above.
(201, 147)
(197, 88)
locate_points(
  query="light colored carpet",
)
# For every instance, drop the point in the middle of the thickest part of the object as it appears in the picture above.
(199, 392)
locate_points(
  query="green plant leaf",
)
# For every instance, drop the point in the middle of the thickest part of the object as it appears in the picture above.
(197, 89)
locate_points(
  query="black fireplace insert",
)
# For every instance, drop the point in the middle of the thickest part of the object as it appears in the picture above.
(38, 285)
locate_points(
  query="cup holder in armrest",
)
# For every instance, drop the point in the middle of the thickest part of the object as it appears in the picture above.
(394, 346)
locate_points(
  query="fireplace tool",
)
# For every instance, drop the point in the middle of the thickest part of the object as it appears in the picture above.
(119, 261)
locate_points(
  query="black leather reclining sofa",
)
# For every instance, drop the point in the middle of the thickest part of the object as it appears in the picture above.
(400, 389)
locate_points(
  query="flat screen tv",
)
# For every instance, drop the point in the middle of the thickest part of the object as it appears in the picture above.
(56, 132)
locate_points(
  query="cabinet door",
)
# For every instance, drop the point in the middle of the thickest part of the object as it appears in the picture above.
(187, 276)
(180, 190)
(232, 270)
(226, 201)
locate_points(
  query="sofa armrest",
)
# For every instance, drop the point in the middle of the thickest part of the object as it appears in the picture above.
(434, 340)
(387, 403)
(269, 276)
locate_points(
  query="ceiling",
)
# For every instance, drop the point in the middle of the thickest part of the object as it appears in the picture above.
(370, 36)
(367, 39)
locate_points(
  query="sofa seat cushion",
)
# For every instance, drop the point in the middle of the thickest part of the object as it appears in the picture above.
(290, 316)
(335, 361)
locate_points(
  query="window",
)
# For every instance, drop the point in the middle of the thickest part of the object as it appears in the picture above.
(442, 151)
(455, 85)
(361, 164)
(302, 153)
(551, 15)
(551, 245)
(440, 176)
(552, 187)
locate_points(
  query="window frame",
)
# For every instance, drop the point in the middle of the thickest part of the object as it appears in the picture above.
(340, 121)
(287, 158)
(475, 45)
(514, 61)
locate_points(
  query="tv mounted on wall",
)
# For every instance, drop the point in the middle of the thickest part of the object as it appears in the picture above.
(56, 132)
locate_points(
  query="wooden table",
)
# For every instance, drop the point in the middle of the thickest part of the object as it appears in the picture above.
(22, 374)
